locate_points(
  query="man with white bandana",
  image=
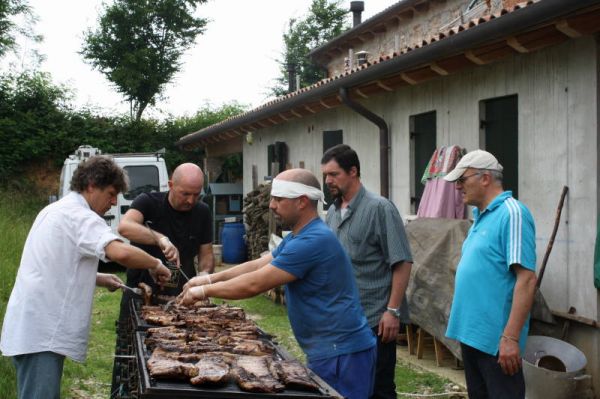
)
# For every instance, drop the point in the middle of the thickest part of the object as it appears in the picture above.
(321, 294)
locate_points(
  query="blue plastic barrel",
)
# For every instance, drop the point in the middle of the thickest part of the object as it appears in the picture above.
(234, 246)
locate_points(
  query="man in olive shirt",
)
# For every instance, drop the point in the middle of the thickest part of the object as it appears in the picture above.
(371, 230)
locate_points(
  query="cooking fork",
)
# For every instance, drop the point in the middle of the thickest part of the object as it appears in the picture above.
(136, 291)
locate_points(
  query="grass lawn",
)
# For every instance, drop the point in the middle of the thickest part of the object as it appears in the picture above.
(92, 379)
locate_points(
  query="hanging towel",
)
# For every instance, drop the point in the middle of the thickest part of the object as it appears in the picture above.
(440, 198)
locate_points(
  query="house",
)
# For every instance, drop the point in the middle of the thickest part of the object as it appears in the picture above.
(518, 79)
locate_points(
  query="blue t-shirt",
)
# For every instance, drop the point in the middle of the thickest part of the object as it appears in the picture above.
(502, 235)
(323, 304)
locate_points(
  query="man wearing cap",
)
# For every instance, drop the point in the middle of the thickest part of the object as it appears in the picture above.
(495, 281)
(321, 295)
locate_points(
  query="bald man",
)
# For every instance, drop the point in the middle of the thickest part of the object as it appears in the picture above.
(181, 224)
(321, 295)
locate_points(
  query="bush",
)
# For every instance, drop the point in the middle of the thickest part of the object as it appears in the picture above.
(37, 125)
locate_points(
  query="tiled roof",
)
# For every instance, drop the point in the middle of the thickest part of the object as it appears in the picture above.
(550, 32)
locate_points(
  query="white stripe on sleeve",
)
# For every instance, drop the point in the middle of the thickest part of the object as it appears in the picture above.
(516, 225)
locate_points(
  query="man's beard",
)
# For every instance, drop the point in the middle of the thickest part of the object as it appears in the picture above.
(285, 225)
(335, 193)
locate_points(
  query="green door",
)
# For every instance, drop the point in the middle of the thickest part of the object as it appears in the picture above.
(423, 136)
(501, 126)
(331, 138)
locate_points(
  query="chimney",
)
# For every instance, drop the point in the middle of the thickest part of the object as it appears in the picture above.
(291, 68)
(357, 7)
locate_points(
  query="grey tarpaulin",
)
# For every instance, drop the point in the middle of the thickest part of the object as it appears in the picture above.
(436, 247)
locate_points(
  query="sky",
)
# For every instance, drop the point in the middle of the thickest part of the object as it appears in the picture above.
(234, 60)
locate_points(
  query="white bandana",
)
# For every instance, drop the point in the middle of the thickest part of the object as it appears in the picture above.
(290, 189)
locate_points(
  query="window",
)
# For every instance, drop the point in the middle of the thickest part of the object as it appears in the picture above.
(499, 127)
(422, 146)
(331, 138)
(142, 179)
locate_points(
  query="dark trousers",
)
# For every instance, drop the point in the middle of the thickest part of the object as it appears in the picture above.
(485, 379)
(385, 388)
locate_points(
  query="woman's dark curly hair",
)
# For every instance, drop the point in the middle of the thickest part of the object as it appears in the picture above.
(99, 171)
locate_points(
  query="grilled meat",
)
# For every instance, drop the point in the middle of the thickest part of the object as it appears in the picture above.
(146, 293)
(213, 368)
(163, 367)
(253, 374)
(294, 375)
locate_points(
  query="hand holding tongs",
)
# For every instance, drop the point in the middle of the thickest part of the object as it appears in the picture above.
(158, 243)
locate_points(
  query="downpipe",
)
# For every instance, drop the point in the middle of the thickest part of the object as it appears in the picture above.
(384, 140)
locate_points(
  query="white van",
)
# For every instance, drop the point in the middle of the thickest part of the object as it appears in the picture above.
(147, 173)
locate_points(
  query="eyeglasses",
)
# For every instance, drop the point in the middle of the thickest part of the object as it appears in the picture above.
(462, 179)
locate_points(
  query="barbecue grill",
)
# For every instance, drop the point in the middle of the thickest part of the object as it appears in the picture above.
(132, 380)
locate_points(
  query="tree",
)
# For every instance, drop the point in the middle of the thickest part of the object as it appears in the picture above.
(9, 9)
(138, 45)
(324, 21)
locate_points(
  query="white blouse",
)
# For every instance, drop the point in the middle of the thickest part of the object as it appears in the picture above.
(50, 305)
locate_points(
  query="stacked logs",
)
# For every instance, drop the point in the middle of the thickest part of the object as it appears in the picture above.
(260, 224)
(256, 217)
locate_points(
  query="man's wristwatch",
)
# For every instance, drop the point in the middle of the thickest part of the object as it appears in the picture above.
(395, 312)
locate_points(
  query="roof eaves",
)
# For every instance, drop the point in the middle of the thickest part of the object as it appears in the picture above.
(478, 29)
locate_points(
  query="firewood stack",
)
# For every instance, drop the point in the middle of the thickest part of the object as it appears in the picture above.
(256, 216)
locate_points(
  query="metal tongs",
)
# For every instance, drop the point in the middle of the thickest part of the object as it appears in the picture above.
(136, 291)
(158, 242)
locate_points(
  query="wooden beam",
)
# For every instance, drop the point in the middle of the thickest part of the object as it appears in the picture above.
(283, 117)
(309, 109)
(262, 124)
(323, 104)
(473, 58)
(407, 79)
(383, 86)
(272, 121)
(360, 93)
(563, 27)
(297, 114)
(513, 42)
(438, 69)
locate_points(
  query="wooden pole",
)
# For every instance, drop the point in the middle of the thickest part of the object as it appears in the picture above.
(552, 236)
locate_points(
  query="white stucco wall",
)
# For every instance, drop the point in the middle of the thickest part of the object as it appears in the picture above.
(557, 96)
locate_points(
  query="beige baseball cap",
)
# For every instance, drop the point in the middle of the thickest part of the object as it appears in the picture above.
(476, 159)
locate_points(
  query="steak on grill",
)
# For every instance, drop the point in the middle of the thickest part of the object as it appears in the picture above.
(294, 375)
(254, 374)
(162, 367)
(213, 369)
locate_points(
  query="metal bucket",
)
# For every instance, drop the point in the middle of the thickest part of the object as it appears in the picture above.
(543, 357)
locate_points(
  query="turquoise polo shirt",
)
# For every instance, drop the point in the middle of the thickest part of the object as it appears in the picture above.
(502, 235)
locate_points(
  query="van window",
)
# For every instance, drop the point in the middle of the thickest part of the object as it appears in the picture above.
(142, 179)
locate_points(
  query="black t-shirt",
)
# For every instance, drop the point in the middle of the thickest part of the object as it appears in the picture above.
(187, 231)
